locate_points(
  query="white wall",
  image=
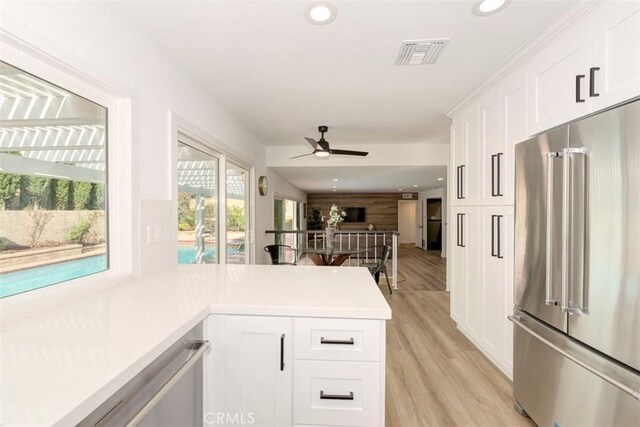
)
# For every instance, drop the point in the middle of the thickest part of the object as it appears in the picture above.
(434, 194)
(94, 38)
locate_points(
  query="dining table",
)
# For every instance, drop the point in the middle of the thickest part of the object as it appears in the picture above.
(329, 256)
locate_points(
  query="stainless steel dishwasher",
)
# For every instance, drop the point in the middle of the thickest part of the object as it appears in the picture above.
(168, 392)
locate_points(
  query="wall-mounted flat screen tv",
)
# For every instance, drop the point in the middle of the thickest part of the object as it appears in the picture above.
(354, 214)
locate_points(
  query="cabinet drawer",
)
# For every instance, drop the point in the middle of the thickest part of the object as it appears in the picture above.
(337, 393)
(337, 339)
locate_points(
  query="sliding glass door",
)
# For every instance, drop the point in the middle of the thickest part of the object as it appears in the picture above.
(237, 213)
(197, 206)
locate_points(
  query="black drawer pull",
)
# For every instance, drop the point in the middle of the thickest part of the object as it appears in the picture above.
(336, 396)
(350, 341)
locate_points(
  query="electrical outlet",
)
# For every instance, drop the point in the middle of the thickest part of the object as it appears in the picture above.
(154, 234)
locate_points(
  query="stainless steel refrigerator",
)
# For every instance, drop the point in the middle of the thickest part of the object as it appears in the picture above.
(577, 272)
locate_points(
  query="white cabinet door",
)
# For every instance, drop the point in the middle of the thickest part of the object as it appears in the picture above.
(457, 267)
(491, 151)
(467, 166)
(458, 157)
(496, 273)
(557, 81)
(513, 98)
(615, 64)
(465, 289)
(258, 369)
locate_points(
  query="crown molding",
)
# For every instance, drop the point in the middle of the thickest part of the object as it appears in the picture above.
(527, 50)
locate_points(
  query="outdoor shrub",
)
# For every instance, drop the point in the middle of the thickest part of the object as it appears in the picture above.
(3, 244)
(79, 233)
(235, 218)
(40, 219)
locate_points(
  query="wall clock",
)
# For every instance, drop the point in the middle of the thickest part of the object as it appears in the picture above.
(263, 185)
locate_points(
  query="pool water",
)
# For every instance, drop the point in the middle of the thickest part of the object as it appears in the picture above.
(188, 255)
(39, 277)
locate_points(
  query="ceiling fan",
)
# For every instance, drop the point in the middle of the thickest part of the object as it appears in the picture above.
(322, 149)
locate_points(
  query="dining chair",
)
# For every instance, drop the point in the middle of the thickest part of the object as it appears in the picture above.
(281, 254)
(380, 266)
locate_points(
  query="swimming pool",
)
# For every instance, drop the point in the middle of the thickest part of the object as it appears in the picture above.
(39, 277)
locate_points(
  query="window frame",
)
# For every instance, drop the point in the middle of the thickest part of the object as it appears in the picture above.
(121, 221)
(201, 140)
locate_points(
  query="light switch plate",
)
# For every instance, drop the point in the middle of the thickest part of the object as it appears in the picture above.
(154, 234)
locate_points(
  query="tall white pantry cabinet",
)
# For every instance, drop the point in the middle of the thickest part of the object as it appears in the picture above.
(588, 62)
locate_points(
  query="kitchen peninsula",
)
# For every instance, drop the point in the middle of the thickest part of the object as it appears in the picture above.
(62, 363)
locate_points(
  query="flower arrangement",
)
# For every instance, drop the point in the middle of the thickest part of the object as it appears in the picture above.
(336, 216)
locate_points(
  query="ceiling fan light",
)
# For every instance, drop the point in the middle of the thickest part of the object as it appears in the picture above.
(321, 153)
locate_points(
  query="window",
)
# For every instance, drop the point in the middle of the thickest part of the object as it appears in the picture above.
(197, 206)
(53, 184)
(237, 203)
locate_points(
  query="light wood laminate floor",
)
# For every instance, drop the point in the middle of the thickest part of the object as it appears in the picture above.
(435, 375)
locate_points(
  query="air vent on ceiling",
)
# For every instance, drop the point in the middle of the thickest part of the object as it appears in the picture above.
(418, 52)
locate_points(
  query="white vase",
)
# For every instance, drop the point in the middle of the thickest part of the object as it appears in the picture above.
(330, 235)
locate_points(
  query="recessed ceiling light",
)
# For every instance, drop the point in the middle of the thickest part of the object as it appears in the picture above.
(488, 7)
(335, 179)
(399, 189)
(320, 12)
(335, 186)
(440, 179)
(335, 190)
(415, 185)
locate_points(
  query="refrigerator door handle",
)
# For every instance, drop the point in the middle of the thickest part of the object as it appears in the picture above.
(551, 297)
(574, 219)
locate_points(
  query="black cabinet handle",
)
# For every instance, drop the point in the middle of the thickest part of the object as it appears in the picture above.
(499, 250)
(579, 78)
(498, 180)
(462, 230)
(493, 233)
(592, 81)
(336, 396)
(459, 182)
(493, 175)
(350, 341)
(458, 242)
(282, 352)
(462, 167)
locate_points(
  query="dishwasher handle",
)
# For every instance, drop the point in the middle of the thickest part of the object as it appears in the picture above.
(200, 348)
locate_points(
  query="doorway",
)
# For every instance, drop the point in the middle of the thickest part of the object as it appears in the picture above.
(407, 221)
(434, 224)
(286, 217)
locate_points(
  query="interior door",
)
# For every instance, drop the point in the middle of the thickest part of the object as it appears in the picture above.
(537, 221)
(608, 295)
(420, 223)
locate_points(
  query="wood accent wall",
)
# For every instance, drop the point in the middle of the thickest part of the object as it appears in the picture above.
(381, 209)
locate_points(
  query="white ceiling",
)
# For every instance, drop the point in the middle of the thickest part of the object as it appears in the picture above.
(282, 76)
(365, 178)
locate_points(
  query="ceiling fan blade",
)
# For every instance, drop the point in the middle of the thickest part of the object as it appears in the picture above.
(313, 143)
(349, 152)
(302, 155)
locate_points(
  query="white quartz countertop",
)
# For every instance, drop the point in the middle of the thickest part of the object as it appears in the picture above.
(59, 365)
